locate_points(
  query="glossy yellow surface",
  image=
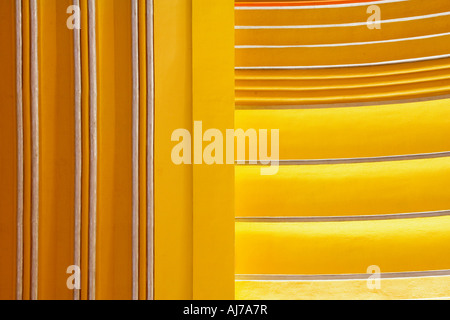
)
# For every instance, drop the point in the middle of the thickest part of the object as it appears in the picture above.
(343, 111)
(344, 189)
(342, 247)
(173, 110)
(361, 131)
(198, 247)
(213, 185)
(307, 37)
(337, 15)
(433, 288)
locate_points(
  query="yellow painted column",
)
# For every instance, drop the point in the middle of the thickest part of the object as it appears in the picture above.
(213, 185)
(173, 184)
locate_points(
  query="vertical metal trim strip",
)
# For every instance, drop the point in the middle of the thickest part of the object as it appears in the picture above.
(78, 150)
(150, 151)
(34, 150)
(20, 151)
(93, 149)
(135, 150)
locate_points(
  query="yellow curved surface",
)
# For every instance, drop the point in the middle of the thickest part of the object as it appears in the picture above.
(344, 189)
(344, 34)
(349, 247)
(433, 288)
(344, 73)
(317, 84)
(187, 231)
(341, 55)
(369, 131)
(260, 33)
(338, 14)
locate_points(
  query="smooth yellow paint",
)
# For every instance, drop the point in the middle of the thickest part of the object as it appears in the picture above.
(324, 83)
(344, 189)
(420, 244)
(361, 33)
(351, 14)
(196, 252)
(256, 88)
(409, 91)
(433, 288)
(359, 73)
(173, 184)
(359, 54)
(362, 131)
(345, 131)
(213, 185)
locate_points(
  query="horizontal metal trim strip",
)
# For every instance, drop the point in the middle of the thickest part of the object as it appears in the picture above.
(289, 88)
(247, 77)
(331, 45)
(369, 64)
(344, 5)
(341, 25)
(349, 160)
(328, 277)
(343, 105)
(346, 218)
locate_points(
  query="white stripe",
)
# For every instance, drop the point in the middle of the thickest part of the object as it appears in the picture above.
(340, 44)
(19, 106)
(340, 25)
(370, 64)
(343, 5)
(135, 151)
